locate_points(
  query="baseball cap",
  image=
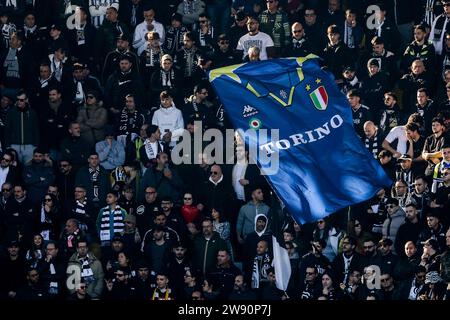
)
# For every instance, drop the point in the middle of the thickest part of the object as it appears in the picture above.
(431, 242)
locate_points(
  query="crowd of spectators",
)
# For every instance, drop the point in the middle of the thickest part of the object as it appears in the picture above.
(95, 95)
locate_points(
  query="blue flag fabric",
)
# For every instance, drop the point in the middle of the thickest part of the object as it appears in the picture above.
(323, 165)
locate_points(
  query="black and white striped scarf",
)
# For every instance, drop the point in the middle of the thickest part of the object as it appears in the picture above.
(94, 177)
(152, 57)
(437, 32)
(190, 58)
(105, 224)
(167, 78)
(373, 146)
(86, 271)
(80, 209)
(260, 266)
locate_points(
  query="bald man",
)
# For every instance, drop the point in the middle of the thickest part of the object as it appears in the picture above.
(298, 46)
(373, 139)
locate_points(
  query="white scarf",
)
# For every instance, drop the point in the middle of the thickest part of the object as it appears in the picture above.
(438, 42)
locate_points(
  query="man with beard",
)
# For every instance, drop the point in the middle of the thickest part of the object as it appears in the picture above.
(373, 138)
(55, 117)
(408, 231)
(420, 48)
(177, 266)
(145, 212)
(113, 57)
(124, 81)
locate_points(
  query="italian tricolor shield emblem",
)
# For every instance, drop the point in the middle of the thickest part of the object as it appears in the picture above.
(320, 98)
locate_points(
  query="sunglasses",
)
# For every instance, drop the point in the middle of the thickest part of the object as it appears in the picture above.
(47, 199)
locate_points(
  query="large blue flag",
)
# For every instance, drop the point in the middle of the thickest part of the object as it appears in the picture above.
(323, 165)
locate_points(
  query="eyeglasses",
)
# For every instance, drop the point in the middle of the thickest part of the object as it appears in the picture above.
(202, 21)
(297, 31)
(6, 190)
(187, 199)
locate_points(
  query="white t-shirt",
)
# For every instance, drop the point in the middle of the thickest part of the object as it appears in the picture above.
(261, 40)
(398, 133)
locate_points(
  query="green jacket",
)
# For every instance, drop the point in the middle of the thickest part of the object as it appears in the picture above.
(95, 288)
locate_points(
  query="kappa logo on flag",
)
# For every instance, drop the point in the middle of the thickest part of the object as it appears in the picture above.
(320, 98)
(249, 111)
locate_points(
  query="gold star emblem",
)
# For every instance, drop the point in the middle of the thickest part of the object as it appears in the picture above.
(226, 71)
(308, 87)
(318, 81)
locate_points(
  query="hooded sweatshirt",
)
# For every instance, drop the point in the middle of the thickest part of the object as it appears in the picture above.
(169, 119)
